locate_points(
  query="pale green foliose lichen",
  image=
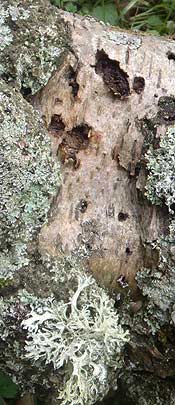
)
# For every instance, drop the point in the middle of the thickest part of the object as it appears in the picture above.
(33, 40)
(83, 337)
(79, 338)
(29, 178)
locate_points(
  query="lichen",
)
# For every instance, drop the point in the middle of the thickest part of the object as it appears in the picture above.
(121, 38)
(158, 284)
(28, 179)
(160, 186)
(33, 40)
(61, 332)
(78, 338)
(147, 389)
(82, 336)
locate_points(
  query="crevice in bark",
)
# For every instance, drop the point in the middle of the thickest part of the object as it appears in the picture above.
(72, 79)
(171, 55)
(26, 92)
(70, 142)
(57, 126)
(122, 216)
(114, 77)
(138, 84)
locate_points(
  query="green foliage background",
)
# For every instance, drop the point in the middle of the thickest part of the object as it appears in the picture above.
(154, 16)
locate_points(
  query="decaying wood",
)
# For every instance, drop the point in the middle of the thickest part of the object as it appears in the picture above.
(108, 99)
(95, 108)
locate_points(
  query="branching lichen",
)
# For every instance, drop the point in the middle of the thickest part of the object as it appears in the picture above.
(83, 337)
(80, 337)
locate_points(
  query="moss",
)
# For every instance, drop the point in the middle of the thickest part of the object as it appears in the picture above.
(33, 40)
(29, 178)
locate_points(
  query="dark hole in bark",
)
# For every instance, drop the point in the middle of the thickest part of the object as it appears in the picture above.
(83, 206)
(138, 84)
(72, 142)
(5, 77)
(171, 55)
(172, 206)
(118, 397)
(88, 246)
(128, 251)
(26, 91)
(114, 77)
(122, 216)
(72, 76)
(80, 208)
(137, 168)
(56, 127)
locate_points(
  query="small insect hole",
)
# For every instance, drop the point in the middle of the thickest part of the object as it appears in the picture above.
(170, 55)
(122, 216)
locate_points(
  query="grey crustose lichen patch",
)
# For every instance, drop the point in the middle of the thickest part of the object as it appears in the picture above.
(161, 164)
(158, 285)
(33, 40)
(28, 179)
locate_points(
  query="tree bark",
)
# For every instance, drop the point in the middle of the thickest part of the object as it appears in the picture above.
(105, 97)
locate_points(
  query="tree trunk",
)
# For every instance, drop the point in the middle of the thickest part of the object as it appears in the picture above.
(106, 98)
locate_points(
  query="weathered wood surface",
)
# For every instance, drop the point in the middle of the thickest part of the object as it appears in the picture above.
(98, 108)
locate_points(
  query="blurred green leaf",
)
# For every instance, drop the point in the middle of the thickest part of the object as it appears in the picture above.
(7, 388)
(106, 13)
(154, 16)
(72, 8)
(154, 21)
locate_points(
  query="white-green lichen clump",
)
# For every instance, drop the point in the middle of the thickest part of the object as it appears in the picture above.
(82, 337)
(28, 179)
(78, 339)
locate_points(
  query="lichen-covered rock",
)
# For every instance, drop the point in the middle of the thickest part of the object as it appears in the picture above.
(33, 39)
(29, 178)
